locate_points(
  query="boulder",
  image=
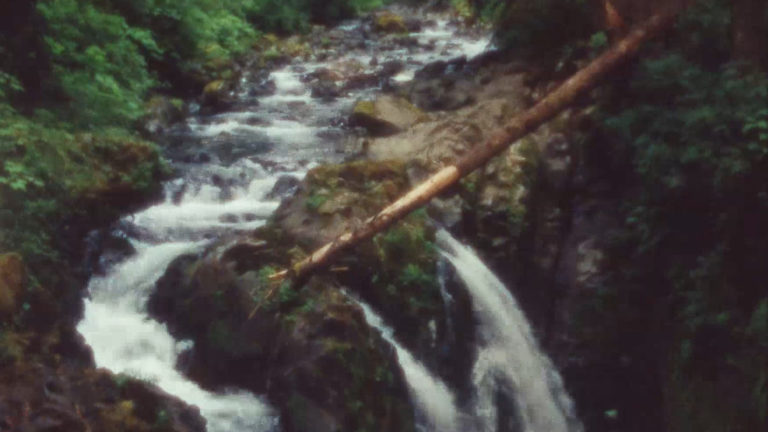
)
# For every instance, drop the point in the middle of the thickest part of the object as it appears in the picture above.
(216, 97)
(40, 398)
(285, 186)
(307, 347)
(162, 113)
(326, 91)
(388, 22)
(387, 115)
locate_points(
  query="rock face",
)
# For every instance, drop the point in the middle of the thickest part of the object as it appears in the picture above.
(387, 115)
(47, 377)
(333, 198)
(39, 398)
(308, 348)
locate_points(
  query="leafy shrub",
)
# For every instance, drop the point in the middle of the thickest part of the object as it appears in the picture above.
(49, 175)
(98, 61)
(696, 137)
(543, 28)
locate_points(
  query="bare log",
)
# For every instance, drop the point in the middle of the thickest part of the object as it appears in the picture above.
(518, 127)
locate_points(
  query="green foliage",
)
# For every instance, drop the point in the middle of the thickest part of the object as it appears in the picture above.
(98, 61)
(407, 272)
(316, 200)
(542, 28)
(49, 175)
(696, 138)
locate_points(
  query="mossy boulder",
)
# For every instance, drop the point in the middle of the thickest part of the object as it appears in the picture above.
(386, 115)
(37, 397)
(307, 347)
(388, 22)
(333, 198)
(161, 113)
(217, 96)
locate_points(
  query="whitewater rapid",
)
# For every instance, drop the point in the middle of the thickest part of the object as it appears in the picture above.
(213, 198)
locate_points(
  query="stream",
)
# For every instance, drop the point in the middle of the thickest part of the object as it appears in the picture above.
(247, 156)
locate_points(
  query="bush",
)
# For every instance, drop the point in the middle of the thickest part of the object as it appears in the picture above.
(540, 28)
(49, 176)
(697, 140)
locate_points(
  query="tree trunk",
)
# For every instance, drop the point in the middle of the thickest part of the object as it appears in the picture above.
(517, 128)
(750, 30)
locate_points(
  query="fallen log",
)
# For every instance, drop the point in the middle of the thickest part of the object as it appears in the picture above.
(518, 127)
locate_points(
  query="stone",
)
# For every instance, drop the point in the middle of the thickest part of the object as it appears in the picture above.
(387, 115)
(388, 22)
(285, 186)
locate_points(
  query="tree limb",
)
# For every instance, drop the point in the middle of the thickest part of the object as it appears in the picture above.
(518, 127)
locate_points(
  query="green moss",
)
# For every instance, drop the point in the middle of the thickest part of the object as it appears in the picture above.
(49, 175)
(367, 108)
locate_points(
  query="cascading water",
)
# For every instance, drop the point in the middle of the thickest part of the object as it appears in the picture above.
(509, 355)
(435, 403)
(266, 139)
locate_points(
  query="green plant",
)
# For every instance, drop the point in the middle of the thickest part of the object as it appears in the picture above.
(315, 201)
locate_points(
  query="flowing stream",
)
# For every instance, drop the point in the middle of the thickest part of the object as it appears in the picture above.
(225, 188)
(509, 356)
(435, 403)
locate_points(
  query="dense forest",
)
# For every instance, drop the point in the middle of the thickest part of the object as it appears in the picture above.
(666, 180)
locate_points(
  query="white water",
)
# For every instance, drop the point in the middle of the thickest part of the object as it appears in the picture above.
(509, 355)
(434, 401)
(129, 343)
(210, 200)
(125, 340)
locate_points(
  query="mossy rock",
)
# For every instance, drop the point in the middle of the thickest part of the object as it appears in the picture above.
(387, 115)
(333, 198)
(307, 347)
(388, 22)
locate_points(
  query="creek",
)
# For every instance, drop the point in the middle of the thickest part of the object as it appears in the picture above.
(241, 162)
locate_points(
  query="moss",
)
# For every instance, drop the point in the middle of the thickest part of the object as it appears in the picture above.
(12, 347)
(361, 185)
(365, 107)
(214, 87)
(389, 22)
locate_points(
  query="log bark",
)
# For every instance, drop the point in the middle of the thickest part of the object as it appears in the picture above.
(518, 127)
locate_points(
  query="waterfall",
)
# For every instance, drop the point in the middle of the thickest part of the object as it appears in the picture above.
(228, 163)
(435, 403)
(509, 355)
(126, 341)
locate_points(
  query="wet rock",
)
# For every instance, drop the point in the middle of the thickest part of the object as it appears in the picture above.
(325, 90)
(442, 139)
(264, 88)
(391, 68)
(387, 115)
(413, 25)
(113, 247)
(229, 218)
(285, 186)
(445, 86)
(388, 22)
(323, 74)
(216, 97)
(41, 398)
(231, 147)
(162, 114)
(373, 184)
(307, 347)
